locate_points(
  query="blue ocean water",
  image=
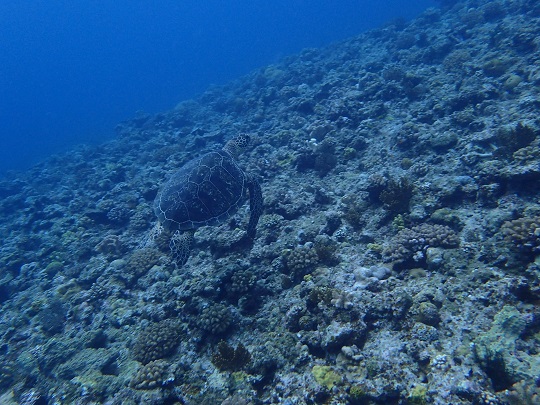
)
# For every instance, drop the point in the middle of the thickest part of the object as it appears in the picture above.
(71, 71)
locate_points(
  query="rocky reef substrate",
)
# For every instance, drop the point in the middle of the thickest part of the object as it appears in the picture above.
(397, 260)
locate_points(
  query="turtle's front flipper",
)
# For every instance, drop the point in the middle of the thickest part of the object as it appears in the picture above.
(180, 245)
(255, 206)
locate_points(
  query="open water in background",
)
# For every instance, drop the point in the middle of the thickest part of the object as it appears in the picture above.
(71, 70)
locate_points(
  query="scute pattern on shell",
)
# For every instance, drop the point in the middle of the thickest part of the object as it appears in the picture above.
(206, 191)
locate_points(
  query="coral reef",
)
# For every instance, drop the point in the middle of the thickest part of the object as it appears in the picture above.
(496, 350)
(215, 319)
(157, 341)
(301, 259)
(227, 358)
(411, 147)
(325, 376)
(242, 281)
(142, 260)
(151, 375)
(413, 243)
(523, 234)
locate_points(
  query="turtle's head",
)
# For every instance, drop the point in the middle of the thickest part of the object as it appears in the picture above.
(236, 145)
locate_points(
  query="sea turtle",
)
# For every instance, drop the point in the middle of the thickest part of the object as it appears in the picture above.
(207, 191)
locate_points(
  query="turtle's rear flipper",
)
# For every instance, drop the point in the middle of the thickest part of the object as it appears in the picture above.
(180, 245)
(255, 206)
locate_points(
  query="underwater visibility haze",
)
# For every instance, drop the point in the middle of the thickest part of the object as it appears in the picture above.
(356, 222)
(71, 71)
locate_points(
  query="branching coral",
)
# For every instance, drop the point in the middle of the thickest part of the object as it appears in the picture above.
(228, 358)
(511, 140)
(394, 194)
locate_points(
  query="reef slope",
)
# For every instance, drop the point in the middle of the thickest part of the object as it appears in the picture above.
(396, 261)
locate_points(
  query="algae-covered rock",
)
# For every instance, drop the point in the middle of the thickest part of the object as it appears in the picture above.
(498, 355)
(325, 376)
